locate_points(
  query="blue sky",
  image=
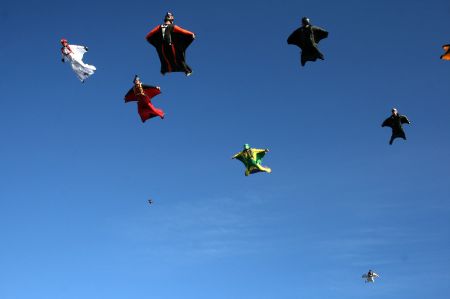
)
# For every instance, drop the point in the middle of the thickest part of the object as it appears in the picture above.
(78, 166)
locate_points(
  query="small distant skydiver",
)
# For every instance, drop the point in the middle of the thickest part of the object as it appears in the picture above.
(171, 42)
(143, 94)
(252, 157)
(370, 276)
(306, 38)
(395, 122)
(446, 55)
(74, 54)
(150, 201)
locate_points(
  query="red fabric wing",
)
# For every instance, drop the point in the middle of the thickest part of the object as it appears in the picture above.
(130, 96)
(146, 109)
(151, 91)
(178, 29)
(151, 33)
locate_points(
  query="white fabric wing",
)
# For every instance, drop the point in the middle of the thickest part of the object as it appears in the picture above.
(78, 51)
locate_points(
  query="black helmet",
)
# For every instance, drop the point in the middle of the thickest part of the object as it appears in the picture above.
(168, 16)
(305, 21)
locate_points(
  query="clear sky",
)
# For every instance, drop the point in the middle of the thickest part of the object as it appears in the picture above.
(77, 165)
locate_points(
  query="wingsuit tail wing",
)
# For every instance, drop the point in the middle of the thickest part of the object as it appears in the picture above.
(146, 110)
(259, 168)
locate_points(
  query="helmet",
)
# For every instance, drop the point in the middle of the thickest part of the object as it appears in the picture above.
(168, 16)
(305, 21)
(63, 41)
(136, 77)
(246, 146)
